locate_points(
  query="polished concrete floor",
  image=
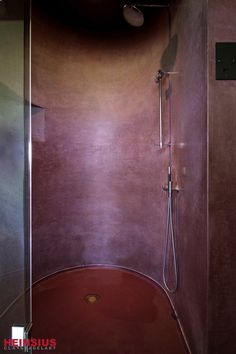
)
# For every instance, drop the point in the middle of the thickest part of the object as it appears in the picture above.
(100, 310)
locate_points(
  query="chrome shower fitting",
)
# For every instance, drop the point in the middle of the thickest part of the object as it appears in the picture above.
(159, 76)
(170, 239)
(161, 73)
(158, 79)
(134, 16)
(151, 5)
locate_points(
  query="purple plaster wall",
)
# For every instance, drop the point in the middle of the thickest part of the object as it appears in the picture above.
(97, 169)
(189, 137)
(222, 187)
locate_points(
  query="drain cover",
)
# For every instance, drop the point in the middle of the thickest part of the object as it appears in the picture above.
(92, 298)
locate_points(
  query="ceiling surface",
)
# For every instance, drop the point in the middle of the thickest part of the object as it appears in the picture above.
(98, 13)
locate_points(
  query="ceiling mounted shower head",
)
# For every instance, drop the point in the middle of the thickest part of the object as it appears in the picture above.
(133, 15)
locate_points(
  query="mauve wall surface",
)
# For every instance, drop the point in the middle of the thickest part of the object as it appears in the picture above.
(189, 137)
(97, 169)
(222, 187)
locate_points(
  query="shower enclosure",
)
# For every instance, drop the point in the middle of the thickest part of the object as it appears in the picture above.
(119, 166)
(98, 169)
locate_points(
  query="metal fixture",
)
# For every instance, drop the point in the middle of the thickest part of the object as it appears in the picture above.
(169, 231)
(134, 16)
(92, 298)
(170, 239)
(159, 79)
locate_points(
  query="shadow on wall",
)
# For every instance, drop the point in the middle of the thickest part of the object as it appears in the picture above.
(169, 56)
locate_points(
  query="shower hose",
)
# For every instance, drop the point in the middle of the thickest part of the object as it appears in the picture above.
(170, 239)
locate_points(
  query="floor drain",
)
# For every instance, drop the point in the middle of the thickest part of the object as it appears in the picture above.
(92, 298)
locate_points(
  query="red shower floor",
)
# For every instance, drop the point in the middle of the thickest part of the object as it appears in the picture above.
(125, 313)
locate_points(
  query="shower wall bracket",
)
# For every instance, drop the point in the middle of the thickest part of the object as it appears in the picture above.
(161, 73)
(174, 189)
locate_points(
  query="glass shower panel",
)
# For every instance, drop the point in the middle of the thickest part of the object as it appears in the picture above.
(15, 191)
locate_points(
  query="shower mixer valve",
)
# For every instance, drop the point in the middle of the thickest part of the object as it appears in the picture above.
(169, 187)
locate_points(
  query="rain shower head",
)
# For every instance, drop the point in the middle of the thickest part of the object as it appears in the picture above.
(134, 16)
